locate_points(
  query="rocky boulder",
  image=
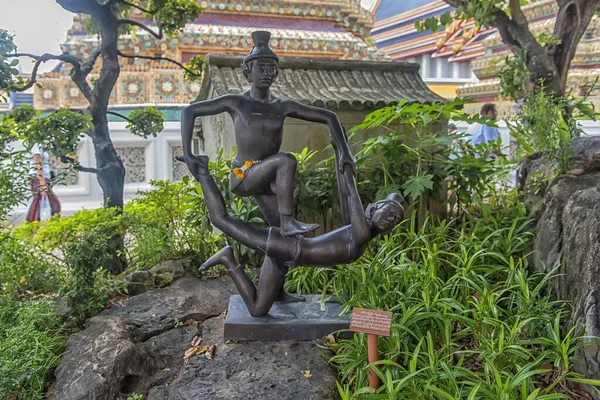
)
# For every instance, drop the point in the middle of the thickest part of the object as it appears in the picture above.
(568, 234)
(138, 346)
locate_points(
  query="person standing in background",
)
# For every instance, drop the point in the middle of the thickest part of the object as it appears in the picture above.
(485, 133)
(41, 187)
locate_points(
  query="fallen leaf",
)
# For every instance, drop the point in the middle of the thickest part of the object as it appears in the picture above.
(202, 349)
(330, 339)
(306, 373)
(190, 352)
(210, 352)
(196, 341)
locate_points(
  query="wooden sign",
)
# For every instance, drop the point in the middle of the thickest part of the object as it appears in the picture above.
(374, 322)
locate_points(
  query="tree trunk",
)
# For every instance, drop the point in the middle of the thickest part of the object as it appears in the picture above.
(111, 172)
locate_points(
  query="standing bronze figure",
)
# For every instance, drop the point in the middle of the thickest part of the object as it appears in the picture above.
(259, 170)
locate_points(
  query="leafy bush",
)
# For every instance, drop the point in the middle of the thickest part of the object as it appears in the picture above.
(168, 222)
(30, 347)
(23, 271)
(470, 319)
(543, 125)
(86, 258)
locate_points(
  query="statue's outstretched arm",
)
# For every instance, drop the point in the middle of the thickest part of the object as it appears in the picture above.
(336, 131)
(202, 108)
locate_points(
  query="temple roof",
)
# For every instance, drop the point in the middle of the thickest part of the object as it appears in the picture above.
(338, 85)
(395, 33)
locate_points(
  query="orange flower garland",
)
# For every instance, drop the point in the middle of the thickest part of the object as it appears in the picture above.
(240, 173)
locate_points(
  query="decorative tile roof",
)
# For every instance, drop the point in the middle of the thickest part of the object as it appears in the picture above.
(347, 13)
(203, 39)
(331, 29)
(334, 84)
(395, 33)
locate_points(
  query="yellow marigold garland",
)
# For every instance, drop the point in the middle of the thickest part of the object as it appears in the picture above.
(240, 173)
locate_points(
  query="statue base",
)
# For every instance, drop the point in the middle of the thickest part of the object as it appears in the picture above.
(285, 321)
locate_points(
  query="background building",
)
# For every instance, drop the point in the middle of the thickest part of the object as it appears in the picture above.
(464, 59)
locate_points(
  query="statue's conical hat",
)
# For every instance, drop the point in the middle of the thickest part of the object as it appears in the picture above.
(261, 47)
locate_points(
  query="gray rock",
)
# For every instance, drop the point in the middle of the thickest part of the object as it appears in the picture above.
(568, 234)
(175, 267)
(138, 346)
(138, 282)
(250, 370)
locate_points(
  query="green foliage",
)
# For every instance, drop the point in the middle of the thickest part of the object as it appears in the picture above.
(196, 65)
(146, 122)
(58, 132)
(470, 319)
(14, 171)
(85, 257)
(23, 272)
(418, 157)
(9, 74)
(168, 222)
(22, 114)
(14, 167)
(30, 347)
(513, 78)
(542, 124)
(172, 15)
(482, 11)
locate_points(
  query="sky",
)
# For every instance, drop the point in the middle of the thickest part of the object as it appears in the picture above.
(40, 26)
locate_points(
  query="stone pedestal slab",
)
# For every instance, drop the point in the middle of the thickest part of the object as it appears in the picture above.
(308, 320)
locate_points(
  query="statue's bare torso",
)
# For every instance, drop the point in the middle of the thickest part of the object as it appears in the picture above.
(258, 127)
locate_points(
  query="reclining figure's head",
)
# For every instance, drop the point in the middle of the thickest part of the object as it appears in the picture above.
(260, 65)
(384, 215)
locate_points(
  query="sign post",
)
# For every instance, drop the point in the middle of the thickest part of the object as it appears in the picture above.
(374, 323)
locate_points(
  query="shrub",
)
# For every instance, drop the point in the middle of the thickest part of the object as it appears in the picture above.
(25, 271)
(168, 222)
(30, 347)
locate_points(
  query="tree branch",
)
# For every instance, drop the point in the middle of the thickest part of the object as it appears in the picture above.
(121, 116)
(161, 58)
(455, 3)
(82, 7)
(32, 80)
(76, 165)
(571, 23)
(127, 21)
(516, 12)
(88, 65)
(151, 12)
(76, 73)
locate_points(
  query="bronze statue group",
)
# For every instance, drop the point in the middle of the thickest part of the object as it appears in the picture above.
(261, 171)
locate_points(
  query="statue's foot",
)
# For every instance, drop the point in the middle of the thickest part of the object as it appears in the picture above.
(220, 257)
(291, 227)
(286, 297)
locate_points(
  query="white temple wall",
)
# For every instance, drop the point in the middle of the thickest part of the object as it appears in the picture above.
(153, 158)
(145, 160)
